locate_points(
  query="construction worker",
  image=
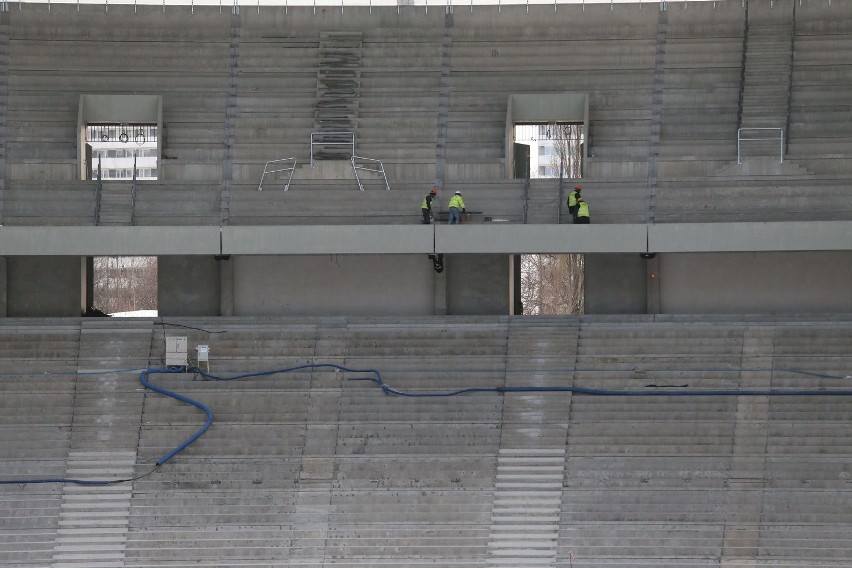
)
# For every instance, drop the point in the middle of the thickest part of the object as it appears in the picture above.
(456, 204)
(426, 206)
(582, 217)
(572, 200)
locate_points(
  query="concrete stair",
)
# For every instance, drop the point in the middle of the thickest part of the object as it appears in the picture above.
(308, 468)
(675, 101)
(544, 203)
(4, 94)
(778, 197)
(93, 521)
(116, 203)
(817, 124)
(766, 89)
(338, 90)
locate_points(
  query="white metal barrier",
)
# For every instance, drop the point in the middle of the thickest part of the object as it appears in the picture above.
(336, 139)
(780, 138)
(290, 169)
(379, 170)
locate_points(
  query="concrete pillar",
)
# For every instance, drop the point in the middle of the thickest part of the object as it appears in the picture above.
(439, 281)
(188, 286)
(44, 286)
(3, 287)
(652, 283)
(478, 284)
(226, 286)
(616, 284)
(89, 283)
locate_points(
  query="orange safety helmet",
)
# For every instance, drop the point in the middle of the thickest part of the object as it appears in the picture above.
(578, 187)
(434, 191)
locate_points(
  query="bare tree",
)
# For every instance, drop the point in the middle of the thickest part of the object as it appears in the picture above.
(552, 284)
(568, 149)
(125, 283)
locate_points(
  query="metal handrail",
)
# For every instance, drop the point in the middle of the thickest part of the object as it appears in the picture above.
(381, 170)
(266, 170)
(321, 133)
(99, 187)
(780, 137)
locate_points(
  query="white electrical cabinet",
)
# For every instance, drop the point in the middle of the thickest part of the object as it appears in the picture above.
(176, 351)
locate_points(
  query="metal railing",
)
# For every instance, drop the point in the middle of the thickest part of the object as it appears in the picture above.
(335, 136)
(380, 170)
(99, 188)
(780, 138)
(266, 170)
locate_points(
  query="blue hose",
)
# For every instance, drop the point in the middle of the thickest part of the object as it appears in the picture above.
(143, 378)
(374, 376)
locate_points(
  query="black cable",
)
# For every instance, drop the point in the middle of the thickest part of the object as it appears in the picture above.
(165, 323)
(90, 482)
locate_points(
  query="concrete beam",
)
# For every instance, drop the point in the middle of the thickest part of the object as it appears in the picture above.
(108, 241)
(519, 239)
(328, 239)
(750, 237)
(496, 238)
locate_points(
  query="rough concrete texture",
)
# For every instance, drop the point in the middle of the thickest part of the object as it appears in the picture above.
(309, 468)
(188, 286)
(44, 286)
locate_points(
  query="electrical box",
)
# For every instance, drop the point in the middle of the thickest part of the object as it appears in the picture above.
(203, 353)
(176, 351)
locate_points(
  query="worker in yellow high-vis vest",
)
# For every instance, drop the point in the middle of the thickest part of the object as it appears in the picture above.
(582, 217)
(572, 200)
(426, 206)
(456, 205)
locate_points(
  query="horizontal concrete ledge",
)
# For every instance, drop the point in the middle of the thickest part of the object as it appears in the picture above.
(505, 238)
(108, 241)
(328, 239)
(750, 237)
(485, 238)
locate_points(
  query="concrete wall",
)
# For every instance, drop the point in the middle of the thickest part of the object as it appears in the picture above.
(749, 282)
(478, 284)
(44, 286)
(333, 285)
(615, 284)
(188, 286)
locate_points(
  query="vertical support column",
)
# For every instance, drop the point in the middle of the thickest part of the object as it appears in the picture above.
(652, 277)
(657, 109)
(444, 101)
(440, 293)
(747, 475)
(4, 96)
(230, 121)
(3, 286)
(226, 286)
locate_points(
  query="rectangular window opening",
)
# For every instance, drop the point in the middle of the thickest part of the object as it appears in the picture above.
(125, 286)
(554, 147)
(117, 148)
(552, 284)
